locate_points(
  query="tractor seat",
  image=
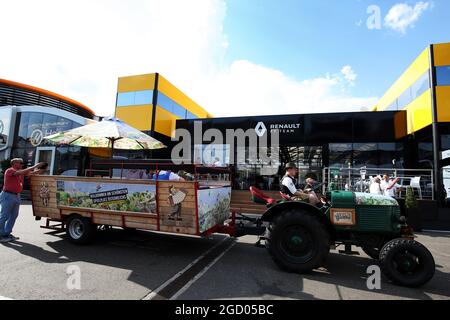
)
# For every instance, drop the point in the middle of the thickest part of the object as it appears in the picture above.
(259, 197)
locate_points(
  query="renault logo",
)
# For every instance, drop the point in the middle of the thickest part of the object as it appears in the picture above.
(2, 127)
(261, 129)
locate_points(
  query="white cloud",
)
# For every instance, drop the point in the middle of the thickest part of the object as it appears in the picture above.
(79, 49)
(255, 89)
(349, 74)
(403, 16)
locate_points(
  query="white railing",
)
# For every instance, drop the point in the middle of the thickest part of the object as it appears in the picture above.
(359, 180)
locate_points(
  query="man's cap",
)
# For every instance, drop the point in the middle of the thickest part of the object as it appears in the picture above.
(13, 161)
(291, 165)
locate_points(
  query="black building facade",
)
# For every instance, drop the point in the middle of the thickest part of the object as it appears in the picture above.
(316, 141)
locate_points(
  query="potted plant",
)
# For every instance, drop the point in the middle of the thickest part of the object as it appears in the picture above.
(412, 210)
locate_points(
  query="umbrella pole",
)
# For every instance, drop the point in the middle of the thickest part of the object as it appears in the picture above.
(112, 156)
(113, 141)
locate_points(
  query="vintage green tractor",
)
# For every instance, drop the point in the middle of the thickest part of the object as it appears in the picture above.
(299, 236)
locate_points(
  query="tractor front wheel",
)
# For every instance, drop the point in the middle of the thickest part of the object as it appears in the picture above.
(298, 241)
(407, 263)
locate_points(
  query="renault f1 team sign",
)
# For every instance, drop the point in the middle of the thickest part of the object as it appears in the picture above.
(282, 128)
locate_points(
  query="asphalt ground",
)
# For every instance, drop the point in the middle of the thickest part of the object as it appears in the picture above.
(135, 266)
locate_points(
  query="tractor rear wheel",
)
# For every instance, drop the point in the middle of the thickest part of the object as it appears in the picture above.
(298, 241)
(407, 263)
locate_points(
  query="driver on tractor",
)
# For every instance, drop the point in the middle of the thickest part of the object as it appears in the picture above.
(290, 191)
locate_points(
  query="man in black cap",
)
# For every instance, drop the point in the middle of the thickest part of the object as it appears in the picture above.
(289, 187)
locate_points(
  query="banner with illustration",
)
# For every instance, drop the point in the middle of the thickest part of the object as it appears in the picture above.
(213, 207)
(134, 198)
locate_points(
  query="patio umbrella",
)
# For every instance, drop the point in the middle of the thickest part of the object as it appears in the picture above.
(110, 133)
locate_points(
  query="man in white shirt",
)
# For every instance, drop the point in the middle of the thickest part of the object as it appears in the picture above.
(289, 188)
(392, 188)
(385, 184)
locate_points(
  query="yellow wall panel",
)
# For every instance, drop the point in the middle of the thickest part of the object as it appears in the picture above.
(443, 103)
(165, 122)
(137, 83)
(441, 54)
(179, 97)
(420, 113)
(411, 75)
(139, 117)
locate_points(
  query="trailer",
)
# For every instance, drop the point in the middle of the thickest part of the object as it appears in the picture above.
(81, 204)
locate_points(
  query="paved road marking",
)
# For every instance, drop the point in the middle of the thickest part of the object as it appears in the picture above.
(171, 287)
(202, 273)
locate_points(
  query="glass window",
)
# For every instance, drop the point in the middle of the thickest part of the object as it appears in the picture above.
(426, 155)
(388, 152)
(35, 127)
(171, 106)
(165, 103)
(63, 124)
(365, 155)
(421, 85)
(443, 76)
(5, 124)
(179, 111)
(404, 99)
(27, 154)
(49, 124)
(22, 133)
(125, 99)
(143, 97)
(445, 142)
(340, 155)
(393, 106)
(190, 116)
(67, 161)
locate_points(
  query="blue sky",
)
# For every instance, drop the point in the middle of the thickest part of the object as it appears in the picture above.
(307, 38)
(233, 57)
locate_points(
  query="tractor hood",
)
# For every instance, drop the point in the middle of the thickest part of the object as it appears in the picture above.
(345, 199)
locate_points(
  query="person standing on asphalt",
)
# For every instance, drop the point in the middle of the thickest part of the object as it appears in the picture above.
(10, 196)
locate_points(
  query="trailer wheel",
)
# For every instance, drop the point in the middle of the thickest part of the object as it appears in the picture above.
(298, 241)
(407, 263)
(80, 230)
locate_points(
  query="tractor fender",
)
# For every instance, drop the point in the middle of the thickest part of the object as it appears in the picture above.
(274, 211)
